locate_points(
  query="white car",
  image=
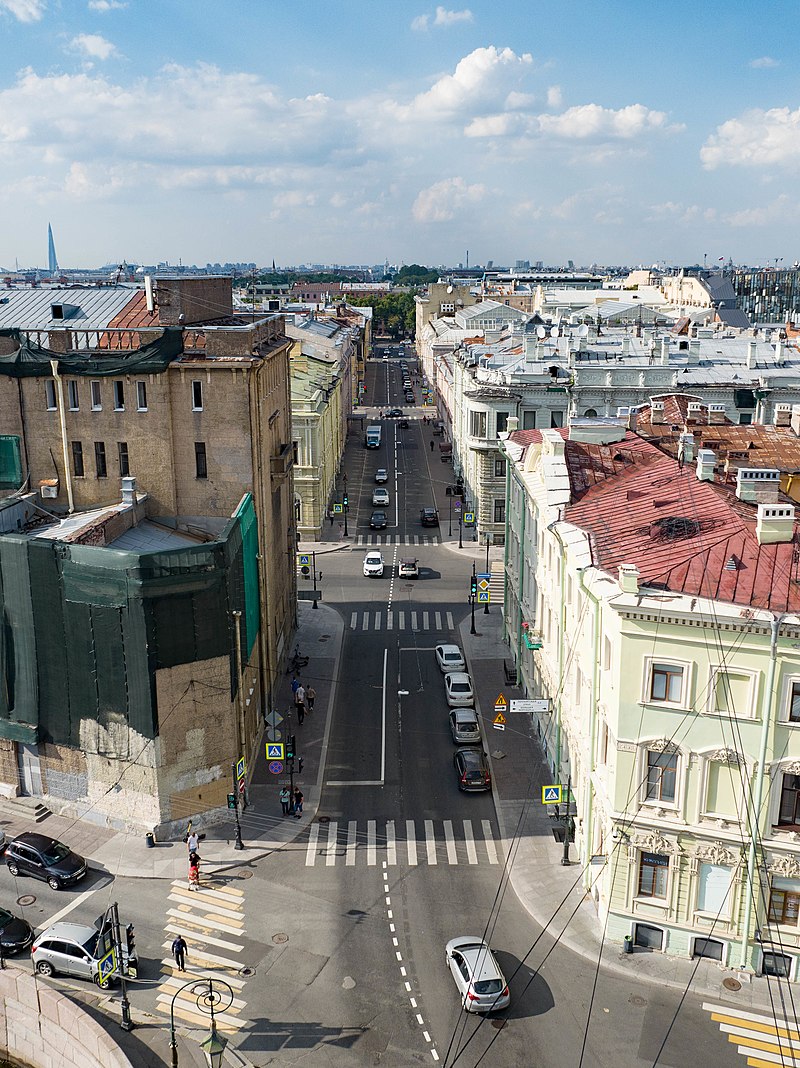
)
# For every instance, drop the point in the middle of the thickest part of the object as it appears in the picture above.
(458, 689)
(381, 496)
(449, 658)
(476, 973)
(381, 475)
(373, 565)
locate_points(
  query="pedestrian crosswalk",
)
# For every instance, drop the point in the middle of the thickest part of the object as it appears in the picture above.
(211, 920)
(399, 843)
(392, 620)
(762, 1039)
(497, 582)
(396, 539)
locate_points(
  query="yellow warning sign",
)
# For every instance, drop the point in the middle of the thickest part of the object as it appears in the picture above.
(499, 721)
(500, 702)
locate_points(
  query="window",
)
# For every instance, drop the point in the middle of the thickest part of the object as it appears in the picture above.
(794, 703)
(72, 396)
(141, 396)
(197, 396)
(100, 464)
(778, 964)
(124, 462)
(50, 395)
(789, 815)
(502, 422)
(97, 399)
(666, 683)
(500, 511)
(647, 937)
(653, 871)
(662, 770)
(529, 420)
(77, 459)
(10, 461)
(713, 889)
(500, 468)
(602, 746)
(590, 413)
(724, 790)
(119, 396)
(710, 948)
(730, 693)
(556, 420)
(477, 424)
(784, 902)
(201, 467)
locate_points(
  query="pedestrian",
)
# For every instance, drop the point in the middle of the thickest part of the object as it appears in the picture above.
(179, 951)
(311, 696)
(300, 703)
(330, 516)
(295, 685)
(285, 797)
(298, 802)
(192, 841)
(431, 444)
(194, 858)
(194, 877)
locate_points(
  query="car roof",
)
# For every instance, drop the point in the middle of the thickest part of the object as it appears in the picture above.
(457, 676)
(464, 714)
(449, 649)
(37, 841)
(373, 555)
(481, 961)
(78, 932)
(408, 559)
(470, 752)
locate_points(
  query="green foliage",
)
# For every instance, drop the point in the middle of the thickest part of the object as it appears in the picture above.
(414, 274)
(393, 314)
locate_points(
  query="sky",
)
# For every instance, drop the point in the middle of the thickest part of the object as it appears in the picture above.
(365, 131)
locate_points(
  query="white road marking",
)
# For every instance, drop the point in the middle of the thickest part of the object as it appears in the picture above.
(202, 938)
(371, 856)
(351, 843)
(452, 856)
(353, 620)
(333, 832)
(414, 621)
(68, 908)
(390, 620)
(377, 621)
(401, 616)
(420, 1021)
(491, 852)
(472, 855)
(450, 624)
(430, 842)
(413, 1002)
(411, 841)
(365, 621)
(391, 844)
(311, 848)
(425, 618)
(438, 620)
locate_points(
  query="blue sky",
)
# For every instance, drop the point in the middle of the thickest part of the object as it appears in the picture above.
(370, 130)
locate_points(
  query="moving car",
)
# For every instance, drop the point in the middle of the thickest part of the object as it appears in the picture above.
(429, 517)
(408, 568)
(404, 424)
(378, 521)
(394, 412)
(380, 496)
(381, 475)
(472, 769)
(15, 934)
(373, 565)
(464, 726)
(75, 949)
(449, 658)
(481, 985)
(458, 690)
(44, 858)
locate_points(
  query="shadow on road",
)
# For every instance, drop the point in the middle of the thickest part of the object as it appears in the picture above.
(530, 993)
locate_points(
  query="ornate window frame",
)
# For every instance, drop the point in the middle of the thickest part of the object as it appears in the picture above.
(717, 669)
(687, 688)
(718, 756)
(657, 806)
(652, 841)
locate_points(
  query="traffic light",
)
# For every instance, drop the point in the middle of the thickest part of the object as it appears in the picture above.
(290, 747)
(129, 939)
(231, 800)
(344, 500)
(473, 585)
(305, 571)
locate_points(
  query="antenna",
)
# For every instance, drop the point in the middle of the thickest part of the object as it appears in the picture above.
(541, 333)
(449, 289)
(583, 330)
(554, 331)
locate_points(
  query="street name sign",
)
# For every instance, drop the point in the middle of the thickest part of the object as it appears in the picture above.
(551, 795)
(530, 706)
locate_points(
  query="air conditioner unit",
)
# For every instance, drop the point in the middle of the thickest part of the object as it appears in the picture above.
(48, 488)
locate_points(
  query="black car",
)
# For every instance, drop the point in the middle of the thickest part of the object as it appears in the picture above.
(404, 424)
(472, 769)
(429, 517)
(15, 934)
(378, 521)
(394, 413)
(44, 858)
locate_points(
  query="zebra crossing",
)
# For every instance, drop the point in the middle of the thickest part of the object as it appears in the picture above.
(397, 620)
(211, 921)
(763, 1039)
(396, 539)
(331, 843)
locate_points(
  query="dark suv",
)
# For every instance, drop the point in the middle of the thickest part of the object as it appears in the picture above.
(429, 517)
(44, 858)
(378, 521)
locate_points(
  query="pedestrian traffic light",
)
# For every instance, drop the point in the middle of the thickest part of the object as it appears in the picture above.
(473, 585)
(231, 800)
(290, 747)
(344, 500)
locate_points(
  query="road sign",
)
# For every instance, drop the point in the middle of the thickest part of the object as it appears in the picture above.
(274, 750)
(337, 509)
(469, 518)
(273, 734)
(241, 768)
(551, 795)
(304, 559)
(499, 722)
(273, 718)
(484, 597)
(530, 706)
(483, 581)
(107, 965)
(457, 506)
(500, 704)
(275, 767)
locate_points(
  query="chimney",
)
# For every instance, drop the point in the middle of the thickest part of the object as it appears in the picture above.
(629, 578)
(129, 490)
(695, 411)
(758, 485)
(780, 355)
(513, 423)
(633, 418)
(751, 354)
(686, 447)
(656, 412)
(706, 461)
(716, 414)
(665, 352)
(774, 523)
(794, 422)
(626, 346)
(694, 350)
(783, 415)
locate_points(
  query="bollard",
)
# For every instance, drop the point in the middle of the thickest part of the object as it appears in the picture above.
(150, 840)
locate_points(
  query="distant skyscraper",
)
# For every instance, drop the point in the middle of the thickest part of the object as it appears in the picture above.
(52, 260)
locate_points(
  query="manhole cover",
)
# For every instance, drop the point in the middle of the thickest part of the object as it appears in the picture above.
(245, 873)
(323, 819)
(498, 1025)
(26, 899)
(731, 984)
(323, 638)
(636, 999)
(280, 938)
(247, 972)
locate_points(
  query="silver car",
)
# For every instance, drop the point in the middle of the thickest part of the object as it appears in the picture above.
(464, 726)
(76, 949)
(477, 975)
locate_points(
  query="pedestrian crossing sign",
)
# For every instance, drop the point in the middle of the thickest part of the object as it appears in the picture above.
(499, 722)
(469, 519)
(304, 558)
(274, 750)
(551, 795)
(337, 509)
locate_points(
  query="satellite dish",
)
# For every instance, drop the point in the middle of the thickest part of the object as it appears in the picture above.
(553, 331)
(541, 333)
(449, 289)
(583, 330)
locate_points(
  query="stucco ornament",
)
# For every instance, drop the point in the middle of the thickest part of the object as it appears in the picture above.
(788, 866)
(653, 842)
(725, 756)
(791, 769)
(716, 853)
(663, 745)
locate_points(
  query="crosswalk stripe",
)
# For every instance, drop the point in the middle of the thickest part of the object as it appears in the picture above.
(430, 842)
(212, 923)
(198, 956)
(174, 983)
(371, 857)
(391, 844)
(360, 540)
(333, 831)
(199, 899)
(192, 936)
(425, 620)
(377, 621)
(185, 1007)
(411, 841)
(472, 854)
(351, 843)
(311, 848)
(365, 621)
(489, 840)
(452, 856)
(353, 620)
(408, 540)
(168, 965)
(450, 624)
(390, 620)
(228, 895)
(401, 620)
(437, 616)
(414, 621)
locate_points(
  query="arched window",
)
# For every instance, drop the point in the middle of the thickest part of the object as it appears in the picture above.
(591, 413)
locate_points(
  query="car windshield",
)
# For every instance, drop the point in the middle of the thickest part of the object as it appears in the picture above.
(5, 917)
(488, 986)
(452, 656)
(54, 853)
(460, 687)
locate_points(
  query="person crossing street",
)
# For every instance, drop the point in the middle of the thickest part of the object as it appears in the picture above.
(179, 951)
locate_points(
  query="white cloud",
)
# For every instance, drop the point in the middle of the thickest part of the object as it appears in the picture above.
(591, 121)
(756, 139)
(778, 210)
(442, 17)
(480, 80)
(446, 199)
(93, 46)
(554, 98)
(764, 63)
(24, 10)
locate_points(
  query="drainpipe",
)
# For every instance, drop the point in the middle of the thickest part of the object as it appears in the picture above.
(766, 720)
(561, 626)
(62, 419)
(520, 564)
(588, 810)
(505, 547)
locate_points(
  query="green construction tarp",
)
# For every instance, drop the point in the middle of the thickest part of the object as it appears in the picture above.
(30, 360)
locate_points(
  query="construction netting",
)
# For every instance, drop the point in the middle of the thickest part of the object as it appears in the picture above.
(30, 360)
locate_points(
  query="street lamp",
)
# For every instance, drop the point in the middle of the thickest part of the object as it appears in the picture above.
(472, 596)
(460, 510)
(207, 1001)
(344, 503)
(450, 516)
(488, 543)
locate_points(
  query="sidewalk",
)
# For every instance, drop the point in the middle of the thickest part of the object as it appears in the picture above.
(553, 893)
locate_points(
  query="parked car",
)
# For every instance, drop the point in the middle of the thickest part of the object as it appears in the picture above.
(44, 858)
(458, 690)
(380, 496)
(464, 726)
(472, 769)
(394, 412)
(449, 658)
(75, 949)
(381, 475)
(408, 568)
(378, 521)
(15, 934)
(429, 517)
(438, 428)
(373, 565)
(481, 985)
(404, 424)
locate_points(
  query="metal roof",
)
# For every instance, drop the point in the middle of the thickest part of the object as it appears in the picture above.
(31, 308)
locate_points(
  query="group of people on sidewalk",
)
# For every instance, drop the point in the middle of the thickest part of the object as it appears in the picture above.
(292, 803)
(303, 698)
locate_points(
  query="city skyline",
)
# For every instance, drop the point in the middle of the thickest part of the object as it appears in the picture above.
(360, 134)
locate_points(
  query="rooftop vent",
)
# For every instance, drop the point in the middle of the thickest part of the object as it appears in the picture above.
(775, 523)
(758, 484)
(64, 311)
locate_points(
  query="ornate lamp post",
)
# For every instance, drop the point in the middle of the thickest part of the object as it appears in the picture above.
(208, 1000)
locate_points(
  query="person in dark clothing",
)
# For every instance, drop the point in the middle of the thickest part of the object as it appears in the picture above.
(179, 950)
(432, 444)
(298, 802)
